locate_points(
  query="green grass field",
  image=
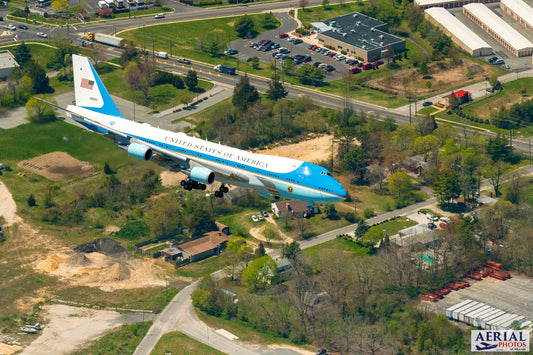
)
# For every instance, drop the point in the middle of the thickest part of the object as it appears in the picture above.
(378, 231)
(336, 245)
(201, 268)
(123, 340)
(179, 343)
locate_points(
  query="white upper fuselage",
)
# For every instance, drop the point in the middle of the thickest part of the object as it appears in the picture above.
(292, 178)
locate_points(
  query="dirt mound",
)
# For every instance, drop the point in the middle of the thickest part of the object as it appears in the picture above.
(76, 260)
(118, 272)
(57, 166)
(52, 263)
(105, 246)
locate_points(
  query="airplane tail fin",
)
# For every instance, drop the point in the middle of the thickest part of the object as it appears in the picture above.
(89, 90)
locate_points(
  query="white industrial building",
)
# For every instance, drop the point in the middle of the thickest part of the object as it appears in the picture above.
(460, 34)
(448, 4)
(7, 64)
(520, 11)
(499, 29)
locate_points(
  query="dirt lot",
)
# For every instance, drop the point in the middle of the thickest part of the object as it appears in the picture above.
(8, 208)
(70, 328)
(57, 166)
(312, 150)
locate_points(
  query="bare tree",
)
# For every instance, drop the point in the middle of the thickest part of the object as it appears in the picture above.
(303, 4)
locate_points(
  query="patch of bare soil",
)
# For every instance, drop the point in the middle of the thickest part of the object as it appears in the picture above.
(169, 178)
(71, 328)
(105, 264)
(311, 150)
(9, 349)
(440, 76)
(8, 208)
(57, 166)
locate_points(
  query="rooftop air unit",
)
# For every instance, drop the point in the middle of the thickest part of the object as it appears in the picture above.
(358, 23)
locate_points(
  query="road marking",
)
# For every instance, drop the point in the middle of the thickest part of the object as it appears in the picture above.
(227, 334)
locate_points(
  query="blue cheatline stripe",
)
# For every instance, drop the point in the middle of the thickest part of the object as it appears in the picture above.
(109, 107)
(283, 177)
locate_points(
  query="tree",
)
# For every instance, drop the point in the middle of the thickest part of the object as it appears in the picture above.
(331, 212)
(446, 186)
(214, 48)
(244, 94)
(355, 161)
(403, 137)
(38, 77)
(22, 54)
(498, 149)
(131, 53)
(60, 5)
(260, 251)
(260, 273)
(291, 251)
(325, 4)
(270, 232)
(426, 145)
(289, 66)
(236, 251)
(269, 20)
(452, 101)
(423, 69)
(303, 4)
(400, 184)
(24, 89)
(429, 84)
(494, 173)
(494, 82)
(191, 80)
(201, 221)
(105, 12)
(244, 26)
(276, 89)
(39, 112)
(255, 62)
(425, 124)
(309, 75)
(31, 201)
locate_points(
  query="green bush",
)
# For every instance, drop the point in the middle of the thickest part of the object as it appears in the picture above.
(369, 213)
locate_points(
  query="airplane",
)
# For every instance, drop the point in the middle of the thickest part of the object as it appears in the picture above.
(204, 162)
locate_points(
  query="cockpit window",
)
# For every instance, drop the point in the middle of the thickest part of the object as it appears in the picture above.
(325, 173)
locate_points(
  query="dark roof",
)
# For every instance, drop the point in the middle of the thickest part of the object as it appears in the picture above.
(360, 31)
(171, 251)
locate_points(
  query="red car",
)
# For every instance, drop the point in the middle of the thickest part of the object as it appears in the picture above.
(354, 70)
(331, 54)
(314, 48)
(283, 35)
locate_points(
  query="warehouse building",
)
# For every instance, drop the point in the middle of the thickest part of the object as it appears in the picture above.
(359, 35)
(460, 34)
(499, 29)
(520, 11)
(448, 4)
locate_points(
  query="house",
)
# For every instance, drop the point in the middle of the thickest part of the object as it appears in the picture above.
(462, 96)
(283, 265)
(296, 208)
(171, 253)
(419, 234)
(7, 64)
(211, 243)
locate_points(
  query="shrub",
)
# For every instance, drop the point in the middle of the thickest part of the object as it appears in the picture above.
(368, 213)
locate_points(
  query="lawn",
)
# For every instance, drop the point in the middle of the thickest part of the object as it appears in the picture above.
(179, 343)
(161, 97)
(201, 268)
(392, 227)
(427, 111)
(192, 39)
(337, 244)
(42, 53)
(124, 340)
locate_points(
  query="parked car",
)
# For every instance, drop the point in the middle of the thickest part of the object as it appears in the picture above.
(11, 27)
(284, 50)
(331, 54)
(283, 35)
(330, 68)
(427, 103)
(254, 218)
(351, 61)
(183, 60)
(264, 213)
(354, 70)
(248, 59)
(259, 217)
(498, 62)
(307, 58)
(506, 66)
(493, 59)
(24, 27)
(42, 34)
(297, 41)
(299, 57)
(231, 51)
(432, 225)
(160, 15)
(275, 45)
(321, 352)
(316, 64)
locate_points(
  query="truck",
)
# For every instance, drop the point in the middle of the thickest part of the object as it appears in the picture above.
(102, 4)
(119, 4)
(163, 55)
(226, 69)
(106, 39)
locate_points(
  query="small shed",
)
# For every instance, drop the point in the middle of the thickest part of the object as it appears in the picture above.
(171, 253)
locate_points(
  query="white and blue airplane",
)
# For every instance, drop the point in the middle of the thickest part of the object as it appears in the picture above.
(204, 162)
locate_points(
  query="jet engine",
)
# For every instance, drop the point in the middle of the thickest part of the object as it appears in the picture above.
(140, 151)
(202, 175)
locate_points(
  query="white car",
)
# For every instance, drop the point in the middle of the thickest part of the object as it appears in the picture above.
(42, 34)
(254, 218)
(161, 15)
(11, 27)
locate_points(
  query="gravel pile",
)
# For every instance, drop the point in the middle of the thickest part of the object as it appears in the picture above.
(106, 246)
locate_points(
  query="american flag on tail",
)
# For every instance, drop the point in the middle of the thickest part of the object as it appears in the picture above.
(87, 84)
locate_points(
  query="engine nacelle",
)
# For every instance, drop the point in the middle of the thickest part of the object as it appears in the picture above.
(202, 175)
(140, 151)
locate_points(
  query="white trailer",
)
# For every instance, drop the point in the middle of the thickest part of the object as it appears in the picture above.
(108, 39)
(454, 307)
(455, 312)
(493, 325)
(469, 317)
(513, 321)
(463, 313)
(483, 323)
(481, 315)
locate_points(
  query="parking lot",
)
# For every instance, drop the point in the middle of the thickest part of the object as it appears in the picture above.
(512, 295)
